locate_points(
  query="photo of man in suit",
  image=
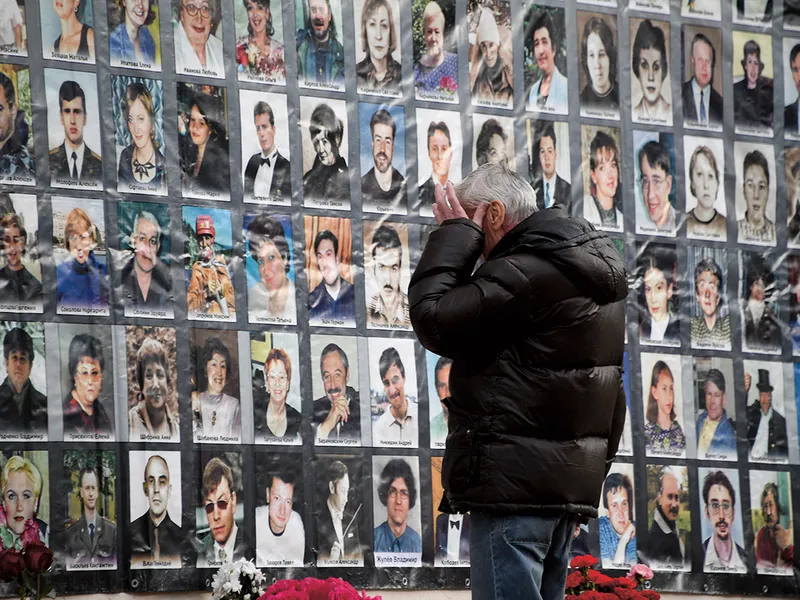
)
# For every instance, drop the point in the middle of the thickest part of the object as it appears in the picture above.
(702, 104)
(225, 542)
(791, 114)
(92, 538)
(337, 415)
(337, 527)
(452, 537)
(23, 408)
(766, 427)
(73, 160)
(268, 174)
(551, 189)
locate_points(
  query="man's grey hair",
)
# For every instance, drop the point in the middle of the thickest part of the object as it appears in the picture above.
(147, 216)
(495, 181)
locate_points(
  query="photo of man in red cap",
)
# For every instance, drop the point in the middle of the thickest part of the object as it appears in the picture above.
(210, 287)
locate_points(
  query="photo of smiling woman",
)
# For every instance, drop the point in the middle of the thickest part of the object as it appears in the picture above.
(197, 33)
(656, 279)
(134, 40)
(704, 161)
(378, 54)
(25, 511)
(69, 24)
(663, 405)
(259, 49)
(599, 95)
(711, 323)
(545, 60)
(491, 54)
(153, 413)
(601, 161)
(651, 95)
(216, 410)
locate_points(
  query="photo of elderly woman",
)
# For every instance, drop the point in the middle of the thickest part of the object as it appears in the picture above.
(494, 141)
(275, 361)
(259, 47)
(81, 276)
(656, 279)
(597, 77)
(134, 40)
(88, 405)
(326, 181)
(25, 511)
(216, 410)
(203, 141)
(378, 69)
(491, 55)
(650, 96)
(138, 106)
(67, 32)
(197, 33)
(663, 405)
(153, 413)
(435, 52)
(271, 296)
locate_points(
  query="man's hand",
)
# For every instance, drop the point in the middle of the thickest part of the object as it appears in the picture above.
(747, 379)
(336, 551)
(444, 211)
(213, 287)
(782, 537)
(338, 412)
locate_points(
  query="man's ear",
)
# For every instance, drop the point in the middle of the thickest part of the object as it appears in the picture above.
(495, 215)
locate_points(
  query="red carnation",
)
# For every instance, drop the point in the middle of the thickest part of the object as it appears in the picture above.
(574, 579)
(12, 564)
(623, 582)
(600, 579)
(627, 594)
(280, 586)
(584, 561)
(650, 594)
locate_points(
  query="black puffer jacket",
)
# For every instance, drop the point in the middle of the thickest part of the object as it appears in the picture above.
(536, 336)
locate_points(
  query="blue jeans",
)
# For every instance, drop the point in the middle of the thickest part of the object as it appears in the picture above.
(519, 556)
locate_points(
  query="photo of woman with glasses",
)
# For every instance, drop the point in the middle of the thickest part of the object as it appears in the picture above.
(198, 48)
(85, 418)
(81, 279)
(275, 420)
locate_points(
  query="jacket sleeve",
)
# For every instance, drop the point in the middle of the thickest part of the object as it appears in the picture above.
(617, 425)
(452, 310)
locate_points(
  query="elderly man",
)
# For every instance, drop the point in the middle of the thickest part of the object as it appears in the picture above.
(224, 542)
(388, 306)
(146, 280)
(567, 283)
(23, 408)
(320, 56)
(92, 538)
(766, 427)
(774, 547)
(337, 415)
(210, 287)
(665, 546)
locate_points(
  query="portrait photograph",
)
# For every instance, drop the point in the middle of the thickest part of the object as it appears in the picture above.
(707, 10)
(549, 172)
(494, 141)
(73, 125)
(142, 262)
(17, 163)
(67, 29)
(792, 267)
(23, 393)
(266, 170)
(203, 141)
(753, 85)
(758, 301)
(377, 46)
(280, 510)
(707, 269)
(197, 35)
(134, 40)
(339, 499)
(658, 298)
(435, 37)
(626, 441)
(669, 519)
(598, 75)
(451, 535)
(260, 55)
(617, 519)
(715, 408)
(791, 87)
(138, 108)
(766, 389)
(651, 95)
(320, 35)
(544, 60)
(438, 371)
(396, 511)
(791, 165)
(336, 386)
(89, 485)
(721, 525)
(382, 142)
(491, 54)
(704, 188)
(330, 271)
(601, 166)
(214, 374)
(87, 377)
(386, 275)
(662, 396)
(81, 257)
(439, 148)
(219, 510)
(21, 273)
(155, 498)
(26, 497)
(393, 393)
(275, 386)
(270, 268)
(324, 138)
(13, 29)
(771, 512)
(208, 252)
(757, 13)
(755, 192)
(701, 89)
(656, 192)
(152, 377)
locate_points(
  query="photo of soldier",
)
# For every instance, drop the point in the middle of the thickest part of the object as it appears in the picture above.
(320, 54)
(451, 542)
(393, 391)
(340, 504)
(704, 164)
(21, 273)
(378, 62)
(23, 393)
(326, 176)
(328, 252)
(491, 53)
(545, 60)
(702, 78)
(17, 158)
(387, 275)
(753, 86)
(383, 159)
(767, 438)
(711, 320)
(721, 525)
(270, 269)
(337, 407)
(267, 172)
(716, 409)
(435, 50)
(761, 329)
(668, 545)
(280, 532)
(547, 143)
(214, 365)
(771, 510)
(275, 361)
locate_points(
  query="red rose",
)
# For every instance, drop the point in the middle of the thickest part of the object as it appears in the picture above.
(343, 593)
(574, 579)
(11, 565)
(584, 561)
(38, 557)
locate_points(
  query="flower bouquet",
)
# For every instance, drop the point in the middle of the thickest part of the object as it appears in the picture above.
(314, 589)
(27, 568)
(237, 581)
(584, 581)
